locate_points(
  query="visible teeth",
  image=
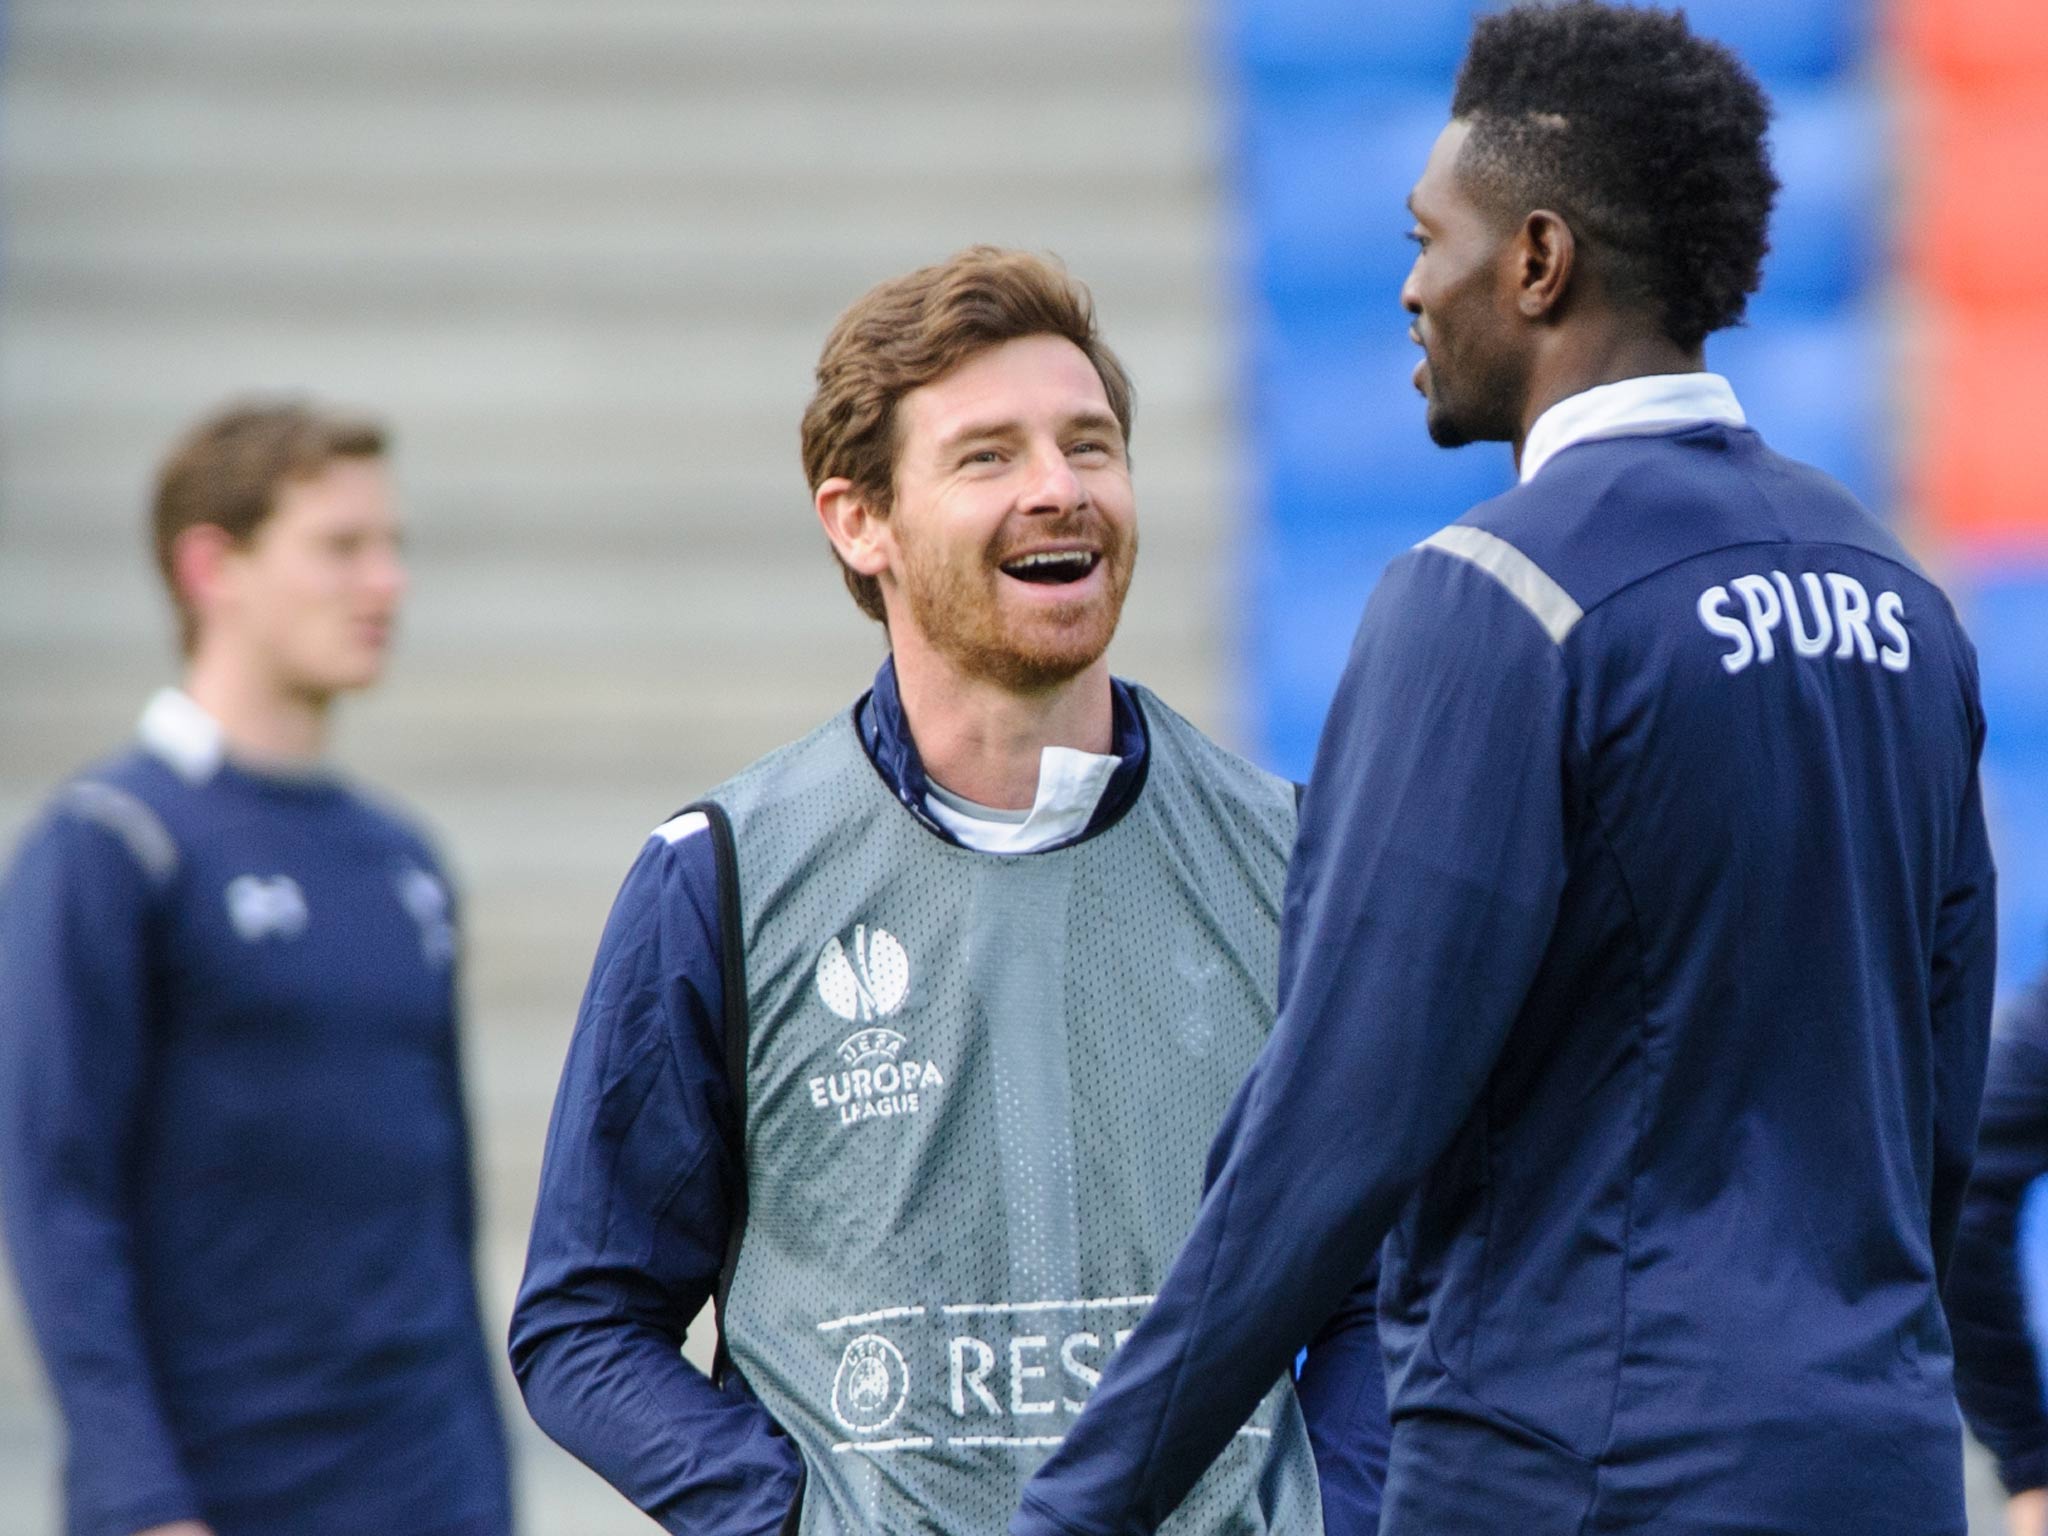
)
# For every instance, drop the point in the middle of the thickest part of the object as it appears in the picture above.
(1055, 557)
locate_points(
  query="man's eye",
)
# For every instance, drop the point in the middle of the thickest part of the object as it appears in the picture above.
(1089, 447)
(982, 456)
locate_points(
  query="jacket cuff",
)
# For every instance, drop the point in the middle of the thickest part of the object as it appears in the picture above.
(2023, 1472)
(1033, 1519)
(141, 1512)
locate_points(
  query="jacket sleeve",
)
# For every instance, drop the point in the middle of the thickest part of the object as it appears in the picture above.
(1421, 898)
(1998, 1369)
(455, 1076)
(1960, 986)
(75, 1022)
(637, 1191)
(1340, 1382)
(1343, 1391)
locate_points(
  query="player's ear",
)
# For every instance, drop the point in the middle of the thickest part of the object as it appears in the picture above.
(200, 565)
(1544, 252)
(858, 532)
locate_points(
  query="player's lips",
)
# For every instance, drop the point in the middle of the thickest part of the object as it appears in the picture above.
(1419, 376)
(1052, 565)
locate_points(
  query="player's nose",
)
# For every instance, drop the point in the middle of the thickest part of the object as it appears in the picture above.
(1053, 485)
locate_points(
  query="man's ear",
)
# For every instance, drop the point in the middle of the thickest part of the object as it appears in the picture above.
(1545, 255)
(200, 559)
(858, 532)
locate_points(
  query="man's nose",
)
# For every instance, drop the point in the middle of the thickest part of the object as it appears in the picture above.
(1054, 486)
(388, 575)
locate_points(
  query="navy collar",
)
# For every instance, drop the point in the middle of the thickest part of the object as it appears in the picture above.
(885, 734)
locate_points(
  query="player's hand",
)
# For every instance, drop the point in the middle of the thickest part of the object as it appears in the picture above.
(179, 1528)
(2026, 1514)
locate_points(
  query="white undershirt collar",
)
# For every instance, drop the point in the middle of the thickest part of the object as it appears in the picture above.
(1659, 402)
(1070, 786)
(176, 729)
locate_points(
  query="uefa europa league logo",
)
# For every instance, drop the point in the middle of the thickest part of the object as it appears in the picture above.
(870, 983)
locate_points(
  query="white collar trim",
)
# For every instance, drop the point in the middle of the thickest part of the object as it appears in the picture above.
(1658, 402)
(1070, 786)
(176, 729)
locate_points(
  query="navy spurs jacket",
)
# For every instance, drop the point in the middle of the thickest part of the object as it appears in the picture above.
(234, 1160)
(1660, 1078)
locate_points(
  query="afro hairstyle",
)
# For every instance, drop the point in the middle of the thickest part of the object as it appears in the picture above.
(1646, 139)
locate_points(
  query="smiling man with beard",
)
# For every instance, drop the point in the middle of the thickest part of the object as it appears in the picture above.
(907, 1043)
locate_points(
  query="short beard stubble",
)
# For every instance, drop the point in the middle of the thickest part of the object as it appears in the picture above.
(962, 622)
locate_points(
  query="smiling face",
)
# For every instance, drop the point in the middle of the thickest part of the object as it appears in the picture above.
(1461, 291)
(1011, 538)
(311, 597)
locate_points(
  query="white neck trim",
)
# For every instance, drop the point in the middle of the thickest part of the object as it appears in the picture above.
(1070, 786)
(1658, 402)
(176, 729)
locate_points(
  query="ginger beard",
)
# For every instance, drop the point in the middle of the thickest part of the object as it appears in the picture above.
(1025, 630)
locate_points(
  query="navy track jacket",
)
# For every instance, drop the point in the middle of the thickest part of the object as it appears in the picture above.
(637, 1189)
(235, 1163)
(1635, 986)
(1998, 1368)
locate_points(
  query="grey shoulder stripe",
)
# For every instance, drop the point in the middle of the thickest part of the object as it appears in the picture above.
(130, 820)
(1530, 584)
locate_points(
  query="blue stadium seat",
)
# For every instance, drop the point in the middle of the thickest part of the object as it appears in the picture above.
(1827, 235)
(1788, 40)
(2006, 612)
(2033, 1236)
(1280, 40)
(1283, 40)
(1307, 595)
(2016, 796)
(1815, 389)
(1326, 180)
(1342, 444)
(1346, 479)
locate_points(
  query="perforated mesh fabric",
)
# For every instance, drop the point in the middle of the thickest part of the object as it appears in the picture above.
(981, 1089)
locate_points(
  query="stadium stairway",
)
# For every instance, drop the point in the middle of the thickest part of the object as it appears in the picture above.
(582, 258)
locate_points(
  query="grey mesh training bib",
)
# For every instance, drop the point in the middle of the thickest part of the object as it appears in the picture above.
(980, 1090)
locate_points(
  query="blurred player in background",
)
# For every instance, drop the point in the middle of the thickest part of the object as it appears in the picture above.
(233, 1152)
(1998, 1369)
(1638, 958)
(908, 1042)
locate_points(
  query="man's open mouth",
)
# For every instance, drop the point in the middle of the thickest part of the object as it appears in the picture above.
(1052, 568)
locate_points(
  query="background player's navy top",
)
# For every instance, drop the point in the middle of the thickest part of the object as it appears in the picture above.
(1635, 977)
(636, 1196)
(1998, 1369)
(233, 1157)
